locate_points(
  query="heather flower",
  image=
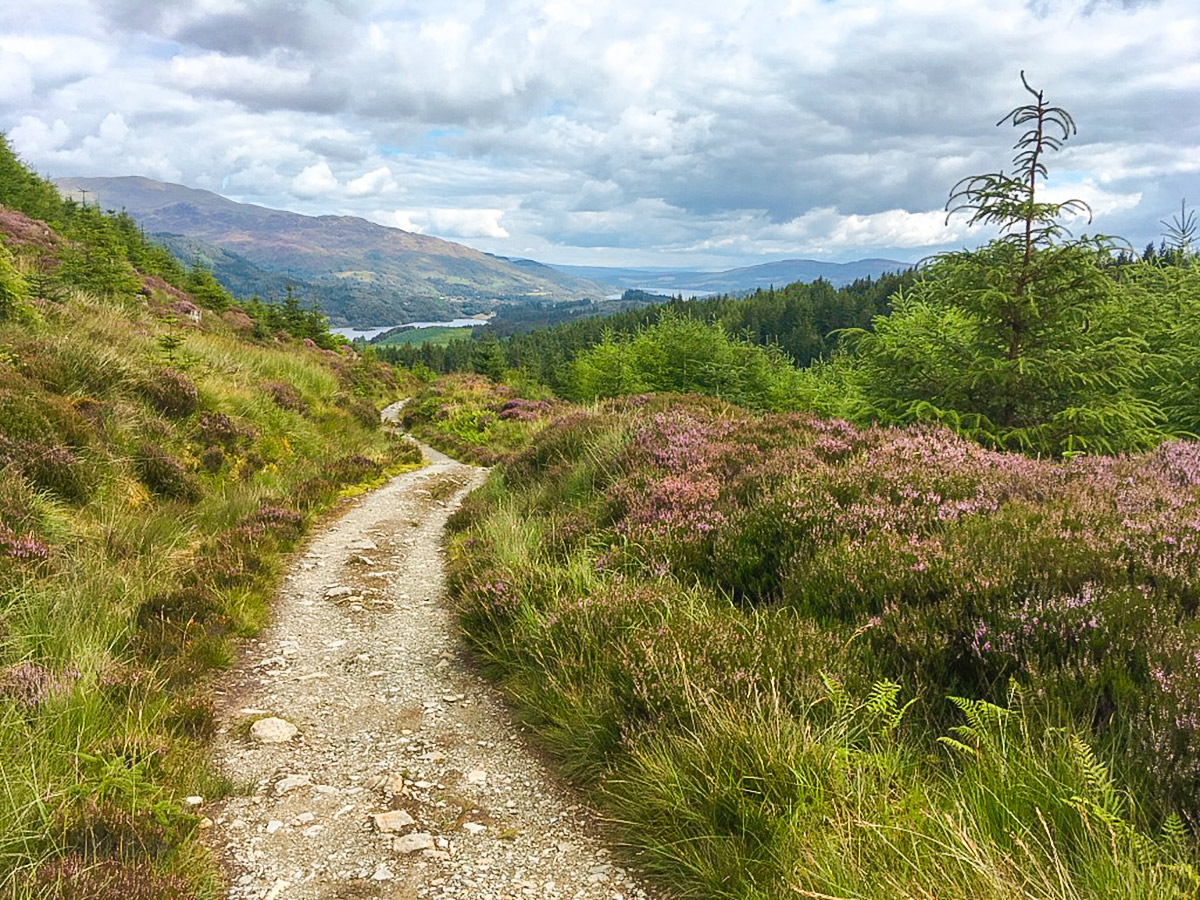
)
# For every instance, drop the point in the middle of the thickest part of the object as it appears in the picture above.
(22, 547)
(29, 685)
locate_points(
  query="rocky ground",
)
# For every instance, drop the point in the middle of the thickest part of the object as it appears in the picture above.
(373, 761)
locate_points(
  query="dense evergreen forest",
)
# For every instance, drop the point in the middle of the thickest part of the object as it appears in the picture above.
(801, 320)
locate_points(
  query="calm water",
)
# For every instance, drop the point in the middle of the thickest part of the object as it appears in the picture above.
(367, 333)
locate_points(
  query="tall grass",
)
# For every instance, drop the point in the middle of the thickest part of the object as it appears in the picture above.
(632, 579)
(152, 478)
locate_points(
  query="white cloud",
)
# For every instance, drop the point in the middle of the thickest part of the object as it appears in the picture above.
(1101, 201)
(34, 138)
(58, 60)
(16, 79)
(407, 219)
(316, 180)
(467, 223)
(891, 228)
(113, 129)
(218, 74)
(701, 131)
(377, 181)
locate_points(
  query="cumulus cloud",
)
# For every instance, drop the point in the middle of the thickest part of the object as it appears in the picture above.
(683, 131)
(467, 223)
(316, 180)
(377, 181)
(400, 218)
(35, 137)
(16, 79)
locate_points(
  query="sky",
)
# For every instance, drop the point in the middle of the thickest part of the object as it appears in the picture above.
(706, 133)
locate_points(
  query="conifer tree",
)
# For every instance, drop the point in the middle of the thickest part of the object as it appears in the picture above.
(1025, 343)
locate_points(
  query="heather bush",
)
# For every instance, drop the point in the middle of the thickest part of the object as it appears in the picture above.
(474, 418)
(218, 429)
(171, 392)
(662, 585)
(165, 475)
(286, 396)
(76, 877)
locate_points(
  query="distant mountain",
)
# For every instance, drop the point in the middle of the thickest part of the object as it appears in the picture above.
(694, 281)
(362, 273)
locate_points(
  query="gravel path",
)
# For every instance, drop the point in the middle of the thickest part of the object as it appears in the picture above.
(405, 777)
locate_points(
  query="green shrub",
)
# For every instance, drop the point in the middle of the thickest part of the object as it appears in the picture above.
(171, 393)
(165, 475)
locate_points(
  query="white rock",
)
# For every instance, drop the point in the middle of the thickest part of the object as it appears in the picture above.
(478, 776)
(411, 843)
(474, 828)
(305, 818)
(392, 820)
(193, 801)
(273, 731)
(382, 873)
(291, 782)
(335, 592)
(273, 826)
(362, 544)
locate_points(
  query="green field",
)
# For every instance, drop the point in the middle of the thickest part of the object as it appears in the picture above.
(437, 334)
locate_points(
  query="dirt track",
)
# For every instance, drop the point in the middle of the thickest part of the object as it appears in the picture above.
(363, 660)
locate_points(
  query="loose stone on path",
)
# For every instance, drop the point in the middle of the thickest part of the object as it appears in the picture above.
(385, 768)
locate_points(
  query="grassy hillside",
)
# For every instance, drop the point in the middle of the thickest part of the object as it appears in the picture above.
(791, 657)
(160, 453)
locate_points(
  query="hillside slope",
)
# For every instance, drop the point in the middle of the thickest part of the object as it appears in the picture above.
(362, 273)
(160, 452)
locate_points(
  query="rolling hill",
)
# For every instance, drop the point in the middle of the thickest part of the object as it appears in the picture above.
(362, 273)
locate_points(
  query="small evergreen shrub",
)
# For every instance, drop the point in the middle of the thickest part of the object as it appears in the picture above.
(211, 459)
(216, 428)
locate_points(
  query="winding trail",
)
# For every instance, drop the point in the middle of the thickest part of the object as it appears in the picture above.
(362, 658)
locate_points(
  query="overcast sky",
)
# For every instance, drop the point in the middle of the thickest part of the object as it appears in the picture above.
(620, 132)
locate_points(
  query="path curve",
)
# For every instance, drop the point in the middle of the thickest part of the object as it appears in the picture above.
(406, 778)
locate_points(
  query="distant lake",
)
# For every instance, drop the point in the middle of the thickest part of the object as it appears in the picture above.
(367, 333)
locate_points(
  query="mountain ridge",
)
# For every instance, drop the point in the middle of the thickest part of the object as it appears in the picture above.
(362, 272)
(742, 278)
